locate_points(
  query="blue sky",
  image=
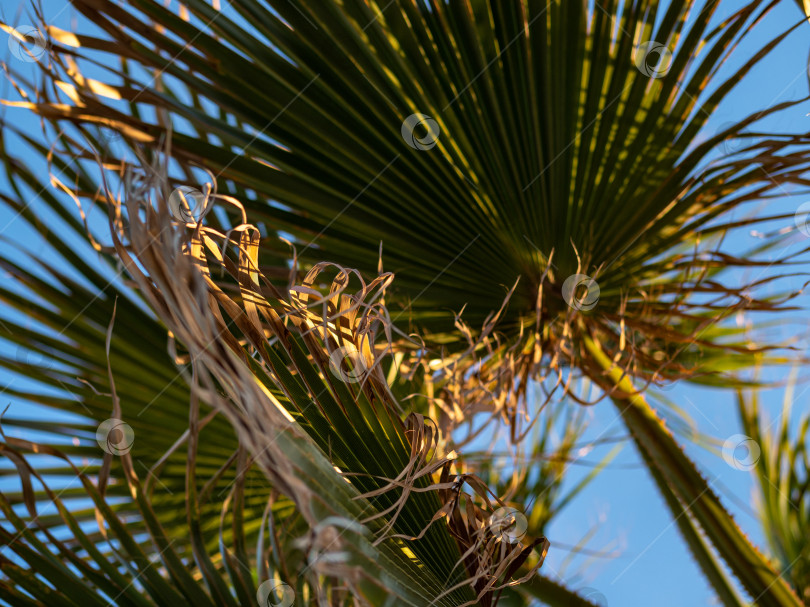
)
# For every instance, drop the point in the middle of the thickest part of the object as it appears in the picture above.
(653, 566)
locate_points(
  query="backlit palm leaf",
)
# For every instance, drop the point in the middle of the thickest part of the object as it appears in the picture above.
(781, 469)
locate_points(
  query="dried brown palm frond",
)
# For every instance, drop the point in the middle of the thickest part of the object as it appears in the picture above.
(272, 354)
(155, 401)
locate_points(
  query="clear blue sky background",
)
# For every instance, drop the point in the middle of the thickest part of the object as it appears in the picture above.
(653, 566)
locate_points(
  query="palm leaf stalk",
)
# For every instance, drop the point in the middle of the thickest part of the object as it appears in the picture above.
(694, 496)
(543, 113)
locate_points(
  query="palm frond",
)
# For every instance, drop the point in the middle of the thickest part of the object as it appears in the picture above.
(501, 168)
(781, 471)
(70, 573)
(689, 495)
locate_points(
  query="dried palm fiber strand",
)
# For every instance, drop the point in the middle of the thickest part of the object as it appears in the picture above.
(172, 265)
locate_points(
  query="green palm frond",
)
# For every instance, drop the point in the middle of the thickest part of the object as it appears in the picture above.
(64, 355)
(781, 470)
(691, 497)
(281, 361)
(314, 122)
(78, 572)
